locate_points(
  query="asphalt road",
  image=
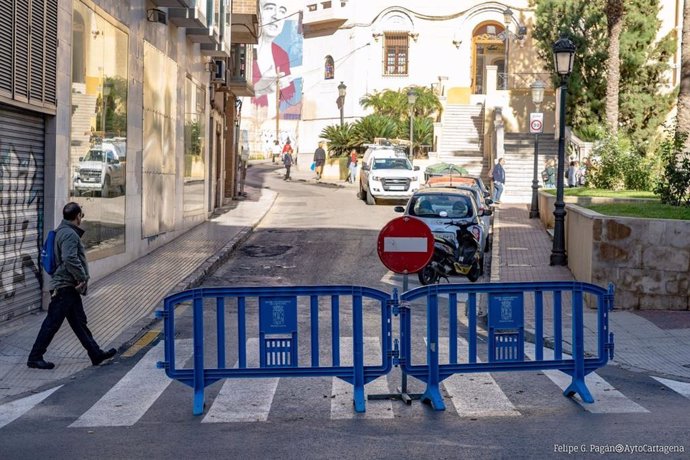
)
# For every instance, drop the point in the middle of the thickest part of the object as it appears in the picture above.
(319, 234)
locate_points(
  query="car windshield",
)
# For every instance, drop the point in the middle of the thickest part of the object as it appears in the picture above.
(94, 155)
(391, 163)
(431, 205)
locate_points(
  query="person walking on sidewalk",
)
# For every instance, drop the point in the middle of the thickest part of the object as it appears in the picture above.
(275, 151)
(319, 160)
(68, 284)
(352, 166)
(498, 176)
(287, 161)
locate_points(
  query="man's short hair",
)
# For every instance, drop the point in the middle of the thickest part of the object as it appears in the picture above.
(71, 211)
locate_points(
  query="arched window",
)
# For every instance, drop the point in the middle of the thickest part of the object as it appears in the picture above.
(329, 68)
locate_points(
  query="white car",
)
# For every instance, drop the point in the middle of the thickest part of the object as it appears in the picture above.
(387, 173)
(100, 171)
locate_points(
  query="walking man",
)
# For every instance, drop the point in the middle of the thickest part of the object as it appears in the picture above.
(68, 284)
(287, 161)
(319, 160)
(499, 178)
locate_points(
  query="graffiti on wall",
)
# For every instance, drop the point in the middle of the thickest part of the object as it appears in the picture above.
(20, 214)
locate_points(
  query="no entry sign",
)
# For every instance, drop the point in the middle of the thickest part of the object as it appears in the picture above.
(405, 245)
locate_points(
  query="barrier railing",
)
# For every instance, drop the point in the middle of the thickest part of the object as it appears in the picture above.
(275, 313)
(505, 349)
(283, 316)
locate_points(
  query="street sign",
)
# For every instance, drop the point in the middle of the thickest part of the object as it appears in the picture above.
(536, 123)
(405, 245)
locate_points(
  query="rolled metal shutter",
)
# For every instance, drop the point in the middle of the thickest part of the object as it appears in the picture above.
(21, 210)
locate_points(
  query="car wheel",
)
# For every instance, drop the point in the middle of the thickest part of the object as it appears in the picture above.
(481, 266)
(475, 272)
(427, 275)
(489, 242)
(362, 193)
(105, 192)
(370, 199)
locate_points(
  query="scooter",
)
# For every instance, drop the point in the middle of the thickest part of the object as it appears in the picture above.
(465, 259)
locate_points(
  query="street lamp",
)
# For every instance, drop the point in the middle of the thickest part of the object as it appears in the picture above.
(507, 18)
(341, 101)
(411, 99)
(537, 98)
(563, 57)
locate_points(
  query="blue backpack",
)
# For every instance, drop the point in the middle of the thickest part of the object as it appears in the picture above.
(48, 256)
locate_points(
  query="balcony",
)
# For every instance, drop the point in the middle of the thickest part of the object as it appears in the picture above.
(193, 17)
(240, 72)
(245, 22)
(175, 3)
(325, 15)
(219, 50)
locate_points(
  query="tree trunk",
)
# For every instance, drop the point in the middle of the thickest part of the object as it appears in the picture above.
(614, 16)
(684, 94)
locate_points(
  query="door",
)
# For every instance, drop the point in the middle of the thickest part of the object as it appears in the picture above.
(21, 210)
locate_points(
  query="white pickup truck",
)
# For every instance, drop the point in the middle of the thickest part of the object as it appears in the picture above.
(100, 171)
(387, 173)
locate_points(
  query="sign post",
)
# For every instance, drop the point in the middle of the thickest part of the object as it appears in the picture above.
(405, 245)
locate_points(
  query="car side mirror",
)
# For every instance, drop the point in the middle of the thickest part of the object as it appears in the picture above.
(399, 209)
(416, 168)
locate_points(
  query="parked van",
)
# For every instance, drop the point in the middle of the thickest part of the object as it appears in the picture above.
(387, 173)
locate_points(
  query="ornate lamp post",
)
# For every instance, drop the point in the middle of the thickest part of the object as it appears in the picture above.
(411, 99)
(342, 89)
(507, 18)
(537, 98)
(563, 57)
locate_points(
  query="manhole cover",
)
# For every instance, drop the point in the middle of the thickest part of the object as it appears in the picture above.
(253, 250)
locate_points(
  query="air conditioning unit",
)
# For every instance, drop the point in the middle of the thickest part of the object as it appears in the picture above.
(219, 75)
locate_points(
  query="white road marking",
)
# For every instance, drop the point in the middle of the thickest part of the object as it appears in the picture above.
(244, 400)
(404, 244)
(342, 392)
(11, 411)
(607, 400)
(682, 388)
(135, 393)
(475, 394)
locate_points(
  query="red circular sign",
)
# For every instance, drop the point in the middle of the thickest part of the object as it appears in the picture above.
(405, 245)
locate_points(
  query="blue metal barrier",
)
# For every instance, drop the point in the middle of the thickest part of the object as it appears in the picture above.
(506, 333)
(278, 310)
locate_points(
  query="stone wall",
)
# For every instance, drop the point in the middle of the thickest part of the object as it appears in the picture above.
(648, 260)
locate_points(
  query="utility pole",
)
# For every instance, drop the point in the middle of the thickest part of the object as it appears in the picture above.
(278, 105)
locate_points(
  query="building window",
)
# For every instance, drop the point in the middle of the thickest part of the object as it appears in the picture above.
(329, 69)
(396, 49)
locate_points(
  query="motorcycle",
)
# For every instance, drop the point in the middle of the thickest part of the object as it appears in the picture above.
(449, 259)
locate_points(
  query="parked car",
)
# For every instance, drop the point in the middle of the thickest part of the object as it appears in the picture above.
(483, 203)
(387, 173)
(437, 206)
(100, 171)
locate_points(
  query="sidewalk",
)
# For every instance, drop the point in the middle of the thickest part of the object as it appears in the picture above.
(121, 306)
(657, 342)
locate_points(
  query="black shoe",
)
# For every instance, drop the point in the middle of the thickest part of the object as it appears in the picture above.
(103, 356)
(40, 364)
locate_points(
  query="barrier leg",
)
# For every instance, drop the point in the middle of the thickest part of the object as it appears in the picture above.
(198, 356)
(432, 394)
(358, 354)
(578, 384)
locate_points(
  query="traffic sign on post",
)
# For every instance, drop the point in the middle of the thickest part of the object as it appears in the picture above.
(405, 245)
(536, 123)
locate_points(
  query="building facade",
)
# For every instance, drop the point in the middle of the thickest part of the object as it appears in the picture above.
(125, 107)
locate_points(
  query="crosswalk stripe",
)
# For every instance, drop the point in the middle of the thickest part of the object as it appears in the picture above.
(342, 392)
(11, 411)
(244, 400)
(682, 388)
(607, 400)
(133, 394)
(477, 394)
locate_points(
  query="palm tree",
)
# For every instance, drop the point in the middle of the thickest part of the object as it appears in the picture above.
(614, 16)
(372, 126)
(684, 94)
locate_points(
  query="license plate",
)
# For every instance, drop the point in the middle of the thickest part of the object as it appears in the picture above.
(396, 187)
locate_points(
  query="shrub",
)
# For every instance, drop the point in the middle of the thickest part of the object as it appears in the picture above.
(617, 166)
(340, 138)
(674, 185)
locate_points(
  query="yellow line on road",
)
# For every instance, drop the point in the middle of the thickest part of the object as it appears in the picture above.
(143, 341)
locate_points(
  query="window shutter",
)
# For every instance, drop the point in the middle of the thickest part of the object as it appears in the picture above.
(20, 66)
(36, 50)
(51, 45)
(6, 47)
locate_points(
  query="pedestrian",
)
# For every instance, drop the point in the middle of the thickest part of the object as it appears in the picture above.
(67, 285)
(287, 161)
(352, 166)
(287, 149)
(319, 160)
(573, 173)
(498, 176)
(275, 151)
(549, 174)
